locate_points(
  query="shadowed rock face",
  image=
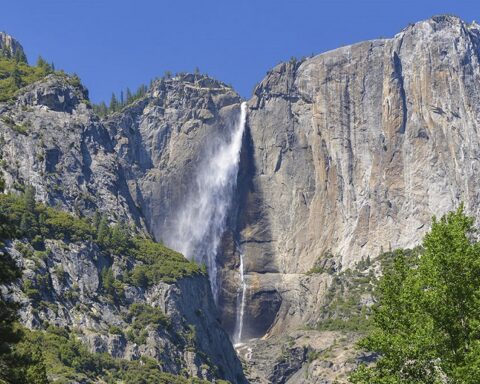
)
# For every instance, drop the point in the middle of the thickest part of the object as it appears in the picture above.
(351, 151)
(355, 149)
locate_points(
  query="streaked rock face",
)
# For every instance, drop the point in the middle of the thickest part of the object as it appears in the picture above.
(355, 149)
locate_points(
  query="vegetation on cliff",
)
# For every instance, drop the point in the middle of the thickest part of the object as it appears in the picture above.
(67, 360)
(16, 73)
(29, 356)
(25, 218)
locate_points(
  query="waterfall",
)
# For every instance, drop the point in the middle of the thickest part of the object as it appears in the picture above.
(200, 223)
(237, 337)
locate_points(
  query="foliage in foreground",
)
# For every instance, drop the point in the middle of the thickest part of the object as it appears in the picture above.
(427, 321)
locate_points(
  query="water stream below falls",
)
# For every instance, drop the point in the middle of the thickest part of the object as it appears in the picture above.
(237, 337)
(200, 222)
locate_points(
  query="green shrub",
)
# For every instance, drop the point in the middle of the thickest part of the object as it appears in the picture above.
(142, 318)
(30, 291)
(115, 330)
(160, 263)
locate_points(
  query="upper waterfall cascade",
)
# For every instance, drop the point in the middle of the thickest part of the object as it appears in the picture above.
(200, 223)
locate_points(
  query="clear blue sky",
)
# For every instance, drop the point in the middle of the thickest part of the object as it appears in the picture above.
(112, 44)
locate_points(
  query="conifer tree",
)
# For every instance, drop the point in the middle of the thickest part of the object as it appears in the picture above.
(103, 231)
(113, 107)
(129, 96)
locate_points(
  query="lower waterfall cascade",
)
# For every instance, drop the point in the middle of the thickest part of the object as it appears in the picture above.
(237, 338)
(200, 223)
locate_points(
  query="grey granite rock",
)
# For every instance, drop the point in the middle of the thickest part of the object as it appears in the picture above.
(53, 141)
(161, 138)
(70, 294)
(352, 152)
(10, 46)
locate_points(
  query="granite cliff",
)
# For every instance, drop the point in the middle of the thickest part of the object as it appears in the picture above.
(345, 155)
(352, 152)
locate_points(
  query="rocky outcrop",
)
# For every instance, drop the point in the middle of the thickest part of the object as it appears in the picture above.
(302, 357)
(10, 47)
(62, 286)
(345, 154)
(52, 140)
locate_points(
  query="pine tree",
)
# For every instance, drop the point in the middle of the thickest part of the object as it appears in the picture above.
(113, 107)
(2, 183)
(17, 77)
(96, 220)
(141, 91)
(101, 109)
(108, 280)
(29, 198)
(28, 221)
(41, 63)
(20, 57)
(17, 366)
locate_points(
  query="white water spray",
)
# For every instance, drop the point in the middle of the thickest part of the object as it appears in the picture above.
(237, 338)
(201, 221)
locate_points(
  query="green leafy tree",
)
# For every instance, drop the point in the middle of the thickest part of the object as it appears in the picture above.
(427, 321)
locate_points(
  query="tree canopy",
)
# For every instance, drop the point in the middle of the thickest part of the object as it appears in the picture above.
(427, 320)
